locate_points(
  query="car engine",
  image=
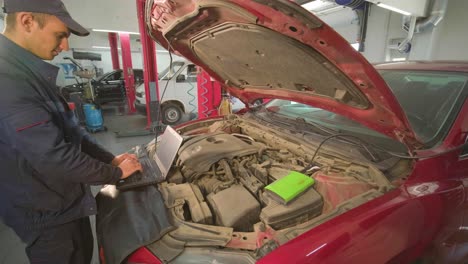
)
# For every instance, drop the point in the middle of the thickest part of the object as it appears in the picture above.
(215, 192)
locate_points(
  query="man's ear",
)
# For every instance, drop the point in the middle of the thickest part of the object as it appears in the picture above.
(25, 21)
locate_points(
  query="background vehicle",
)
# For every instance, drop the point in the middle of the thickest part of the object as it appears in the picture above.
(178, 90)
(109, 87)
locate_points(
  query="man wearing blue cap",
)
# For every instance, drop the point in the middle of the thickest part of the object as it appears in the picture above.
(47, 161)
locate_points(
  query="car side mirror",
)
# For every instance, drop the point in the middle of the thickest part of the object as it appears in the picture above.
(180, 78)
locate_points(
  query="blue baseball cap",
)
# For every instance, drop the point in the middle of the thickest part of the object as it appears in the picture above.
(51, 7)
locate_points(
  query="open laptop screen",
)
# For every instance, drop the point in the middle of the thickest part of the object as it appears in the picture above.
(166, 150)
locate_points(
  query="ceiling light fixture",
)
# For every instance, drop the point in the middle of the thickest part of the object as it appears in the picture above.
(105, 47)
(394, 9)
(318, 5)
(355, 45)
(101, 47)
(116, 31)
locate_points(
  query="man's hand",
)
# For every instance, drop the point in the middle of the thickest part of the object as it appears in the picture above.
(129, 166)
(117, 160)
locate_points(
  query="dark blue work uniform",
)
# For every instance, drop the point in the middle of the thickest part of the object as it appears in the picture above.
(47, 161)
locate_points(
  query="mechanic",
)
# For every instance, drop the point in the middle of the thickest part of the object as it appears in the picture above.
(47, 161)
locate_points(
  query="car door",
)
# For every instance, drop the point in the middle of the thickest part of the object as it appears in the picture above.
(111, 88)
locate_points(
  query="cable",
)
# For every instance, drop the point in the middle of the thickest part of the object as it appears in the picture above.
(377, 147)
(159, 115)
(189, 92)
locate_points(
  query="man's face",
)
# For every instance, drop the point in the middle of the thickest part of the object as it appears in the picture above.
(48, 41)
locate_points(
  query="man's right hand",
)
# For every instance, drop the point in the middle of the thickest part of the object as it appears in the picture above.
(129, 166)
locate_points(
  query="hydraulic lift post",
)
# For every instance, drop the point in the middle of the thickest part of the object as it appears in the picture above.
(128, 71)
(150, 69)
(114, 51)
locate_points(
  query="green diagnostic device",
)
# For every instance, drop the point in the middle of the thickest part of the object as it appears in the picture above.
(290, 186)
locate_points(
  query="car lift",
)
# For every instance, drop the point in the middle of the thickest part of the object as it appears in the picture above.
(150, 75)
(210, 92)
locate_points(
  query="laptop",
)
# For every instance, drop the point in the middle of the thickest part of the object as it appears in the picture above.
(155, 169)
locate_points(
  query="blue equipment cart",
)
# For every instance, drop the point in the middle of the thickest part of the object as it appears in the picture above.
(93, 116)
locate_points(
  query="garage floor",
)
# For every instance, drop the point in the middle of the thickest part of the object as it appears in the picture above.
(11, 248)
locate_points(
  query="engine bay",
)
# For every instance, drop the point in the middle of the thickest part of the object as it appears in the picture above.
(215, 192)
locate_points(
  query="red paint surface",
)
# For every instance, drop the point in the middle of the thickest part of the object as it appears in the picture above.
(143, 255)
(150, 65)
(128, 71)
(209, 95)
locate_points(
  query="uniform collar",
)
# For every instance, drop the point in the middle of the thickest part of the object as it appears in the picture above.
(10, 49)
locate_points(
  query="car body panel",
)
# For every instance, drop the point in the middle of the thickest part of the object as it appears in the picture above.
(426, 217)
(260, 49)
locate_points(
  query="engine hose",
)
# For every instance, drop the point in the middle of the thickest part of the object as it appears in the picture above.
(203, 95)
(192, 99)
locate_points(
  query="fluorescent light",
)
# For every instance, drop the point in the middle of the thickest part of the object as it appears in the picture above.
(105, 47)
(101, 47)
(399, 59)
(116, 31)
(328, 10)
(355, 46)
(316, 5)
(394, 9)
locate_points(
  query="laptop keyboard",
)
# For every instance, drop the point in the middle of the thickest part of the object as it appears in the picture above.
(150, 175)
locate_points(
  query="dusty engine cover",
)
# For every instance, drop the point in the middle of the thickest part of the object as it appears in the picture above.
(201, 152)
(305, 207)
(235, 207)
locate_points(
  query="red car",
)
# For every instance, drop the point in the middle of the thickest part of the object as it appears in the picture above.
(385, 145)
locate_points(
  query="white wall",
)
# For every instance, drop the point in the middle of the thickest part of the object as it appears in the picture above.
(444, 42)
(345, 22)
(104, 14)
(377, 32)
(450, 37)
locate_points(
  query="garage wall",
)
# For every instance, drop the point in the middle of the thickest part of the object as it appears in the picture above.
(345, 22)
(444, 42)
(377, 34)
(65, 78)
(95, 14)
(450, 38)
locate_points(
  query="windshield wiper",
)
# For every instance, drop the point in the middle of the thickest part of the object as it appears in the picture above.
(308, 124)
(304, 126)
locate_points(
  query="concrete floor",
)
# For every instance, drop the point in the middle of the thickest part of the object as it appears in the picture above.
(11, 247)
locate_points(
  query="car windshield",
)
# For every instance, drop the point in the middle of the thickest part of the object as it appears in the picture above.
(169, 72)
(328, 123)
(429, 99)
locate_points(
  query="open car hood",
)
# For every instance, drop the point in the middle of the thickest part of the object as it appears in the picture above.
(277, 49)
